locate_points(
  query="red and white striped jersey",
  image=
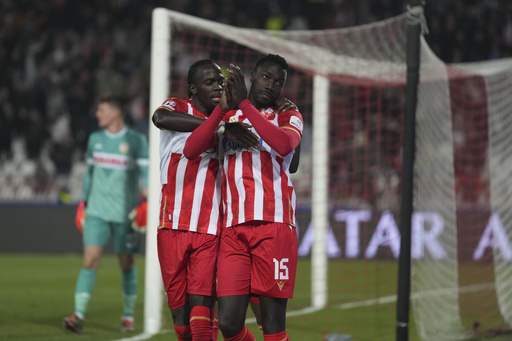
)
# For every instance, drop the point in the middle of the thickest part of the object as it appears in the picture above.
(256, 183)
(190, 198)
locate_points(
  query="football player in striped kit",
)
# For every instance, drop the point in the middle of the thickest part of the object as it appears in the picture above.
(190, 215)
(258, 248)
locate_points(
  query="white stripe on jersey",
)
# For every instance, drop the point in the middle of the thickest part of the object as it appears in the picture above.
(278, 193)
(199, 188)
(180, 174)
(228, 209)
(258, 187)
(239, 167)
(215, 216)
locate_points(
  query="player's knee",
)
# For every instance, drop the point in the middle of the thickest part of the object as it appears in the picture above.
(181, 315)
(230, 325)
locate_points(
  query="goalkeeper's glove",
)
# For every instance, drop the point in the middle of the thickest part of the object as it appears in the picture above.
(80, 215)
(138, 216)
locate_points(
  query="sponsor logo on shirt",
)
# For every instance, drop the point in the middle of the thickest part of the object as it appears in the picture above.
(106, 160)
(228, 145)
(296, 122)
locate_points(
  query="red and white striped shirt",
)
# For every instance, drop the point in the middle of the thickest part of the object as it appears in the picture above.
(256, 182)
(190, 198)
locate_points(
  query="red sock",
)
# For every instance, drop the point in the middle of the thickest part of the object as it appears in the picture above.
(244, 335)
(215, 329)
(183, 333)
(201, 323)
(282, 336)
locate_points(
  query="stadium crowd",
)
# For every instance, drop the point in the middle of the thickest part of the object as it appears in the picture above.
(58, 55)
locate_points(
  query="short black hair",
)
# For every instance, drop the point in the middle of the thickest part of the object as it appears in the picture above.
(273, 58)
(192, 71)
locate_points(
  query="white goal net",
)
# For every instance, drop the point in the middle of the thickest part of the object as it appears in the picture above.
(349, 84)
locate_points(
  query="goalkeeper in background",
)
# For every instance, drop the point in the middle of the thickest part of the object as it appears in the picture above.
(114, 187)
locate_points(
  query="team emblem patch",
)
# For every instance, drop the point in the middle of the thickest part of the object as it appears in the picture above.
(124, 147)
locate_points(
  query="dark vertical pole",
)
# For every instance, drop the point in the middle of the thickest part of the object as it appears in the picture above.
(415, 17)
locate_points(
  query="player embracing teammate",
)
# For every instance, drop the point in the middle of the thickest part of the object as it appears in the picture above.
(190, 211)
(258, 247)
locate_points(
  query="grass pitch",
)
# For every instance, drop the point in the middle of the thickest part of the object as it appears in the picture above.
(37, 292)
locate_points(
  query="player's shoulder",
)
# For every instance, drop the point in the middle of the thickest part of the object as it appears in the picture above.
(290, 113)
(135, 134)
(173, 103)
(97, 134)
(292, 118)
(233, 115)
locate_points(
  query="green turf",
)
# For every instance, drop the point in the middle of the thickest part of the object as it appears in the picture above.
(36, 292)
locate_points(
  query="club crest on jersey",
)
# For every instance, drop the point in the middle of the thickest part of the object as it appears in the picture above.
(124, 147)
(269, 114)
(170, 105)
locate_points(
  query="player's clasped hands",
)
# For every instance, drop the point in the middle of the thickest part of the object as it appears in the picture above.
(235, 90)
(234, 93)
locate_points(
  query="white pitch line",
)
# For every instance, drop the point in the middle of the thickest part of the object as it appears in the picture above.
(393, 298)
(351, 305)
(140, 337)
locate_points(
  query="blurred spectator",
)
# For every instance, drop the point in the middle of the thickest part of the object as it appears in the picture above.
(7, 129)
(58, 55)
(35, 132)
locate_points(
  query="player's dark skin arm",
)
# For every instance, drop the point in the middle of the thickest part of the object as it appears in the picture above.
(176, 121)
(183, 122)
(294, 164)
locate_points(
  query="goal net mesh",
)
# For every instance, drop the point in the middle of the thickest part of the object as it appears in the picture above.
(462, 227)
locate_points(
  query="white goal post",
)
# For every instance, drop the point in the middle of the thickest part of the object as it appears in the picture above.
(159, 91)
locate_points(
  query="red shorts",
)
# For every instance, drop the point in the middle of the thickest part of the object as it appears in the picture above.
(257, 258)
(188, 261)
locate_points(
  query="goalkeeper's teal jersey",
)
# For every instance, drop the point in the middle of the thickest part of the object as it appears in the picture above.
(117, 170)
